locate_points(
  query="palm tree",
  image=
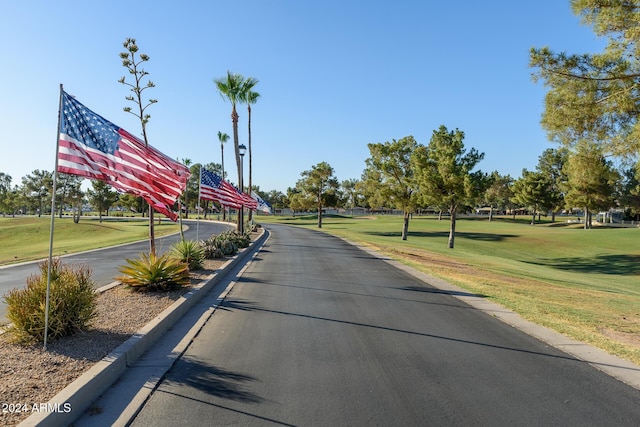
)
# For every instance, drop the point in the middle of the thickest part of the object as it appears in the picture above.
(233, 88)
(250, 98)
(187, 163)
(223, 137)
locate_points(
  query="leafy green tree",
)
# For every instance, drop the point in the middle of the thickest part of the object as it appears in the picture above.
(369, 186)
(630, 193)
(388, 178)
(445, 174)
(5, 183)
(69, 194)
(36, 189)
(5, 189)
(532, 190)
(277, 199)
(351, 194)
(592, 180)
(318, 185)
(133, 64)
(551, 163)
(101, 196)
(498, 192)
(595, 96)
(299, 201)
(132, 203)
(10, 202)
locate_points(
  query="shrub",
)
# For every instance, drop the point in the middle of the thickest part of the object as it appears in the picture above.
(72, 303)
(190, 253)
(226, 243)
(211, 249)
(152, 272)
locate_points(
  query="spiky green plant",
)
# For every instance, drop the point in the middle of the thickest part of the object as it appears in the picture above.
(153, 272)
(189, 252)
(72, 303)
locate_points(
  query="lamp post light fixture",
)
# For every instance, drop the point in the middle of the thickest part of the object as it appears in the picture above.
(241, 150)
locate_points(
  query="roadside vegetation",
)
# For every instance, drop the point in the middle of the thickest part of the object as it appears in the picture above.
(72, 305)
(584, 285)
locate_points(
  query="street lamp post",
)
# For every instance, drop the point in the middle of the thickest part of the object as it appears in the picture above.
(241, 150)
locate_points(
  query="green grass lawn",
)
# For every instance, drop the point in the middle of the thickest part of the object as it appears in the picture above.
(583, 283)
(27, 238)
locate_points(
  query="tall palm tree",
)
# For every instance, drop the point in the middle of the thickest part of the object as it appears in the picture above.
(251, 97)
(187, 163)
(223, 138)
(233, 87)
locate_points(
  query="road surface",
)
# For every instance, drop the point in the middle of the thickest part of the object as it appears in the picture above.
(317, 332)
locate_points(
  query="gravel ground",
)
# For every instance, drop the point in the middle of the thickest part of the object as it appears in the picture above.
(31, 376)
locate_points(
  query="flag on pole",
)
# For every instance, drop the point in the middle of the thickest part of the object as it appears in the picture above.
(248, 201)
(93, 147)
(213, 187)
(263, 206)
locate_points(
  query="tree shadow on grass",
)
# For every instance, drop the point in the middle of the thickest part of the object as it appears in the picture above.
(622, 265)
(486, 237)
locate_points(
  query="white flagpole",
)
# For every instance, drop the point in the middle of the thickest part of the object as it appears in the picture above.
(53, 214)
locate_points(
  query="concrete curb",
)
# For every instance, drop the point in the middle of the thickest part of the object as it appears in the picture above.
(81, 393)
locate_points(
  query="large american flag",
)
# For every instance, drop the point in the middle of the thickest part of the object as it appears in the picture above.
(93, 147)
(213, 187)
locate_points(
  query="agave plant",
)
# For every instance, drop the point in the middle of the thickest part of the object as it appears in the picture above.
(189, 252)
(154, 272)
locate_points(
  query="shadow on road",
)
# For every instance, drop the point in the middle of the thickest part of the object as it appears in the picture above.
(441, 291)
(214, 381)
(250, 306)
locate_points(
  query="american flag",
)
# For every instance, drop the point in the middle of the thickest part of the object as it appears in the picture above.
(93, 147)
(213, 187)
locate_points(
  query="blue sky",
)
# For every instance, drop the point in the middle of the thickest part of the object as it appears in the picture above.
(333, 76)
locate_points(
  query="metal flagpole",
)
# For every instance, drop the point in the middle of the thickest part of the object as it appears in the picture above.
(53, 214)
(198, 206)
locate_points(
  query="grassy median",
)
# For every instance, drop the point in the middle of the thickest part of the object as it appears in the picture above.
(27, 238)
(582, 283)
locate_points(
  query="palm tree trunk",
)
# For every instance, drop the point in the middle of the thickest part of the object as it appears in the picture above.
(224, 211)
(250, 166)
(234, 121)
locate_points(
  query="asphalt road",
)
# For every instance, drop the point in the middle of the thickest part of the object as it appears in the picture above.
(319, 333)
(104, 263)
